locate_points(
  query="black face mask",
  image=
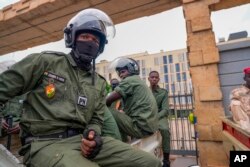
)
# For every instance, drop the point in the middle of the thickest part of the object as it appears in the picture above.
(84, 52)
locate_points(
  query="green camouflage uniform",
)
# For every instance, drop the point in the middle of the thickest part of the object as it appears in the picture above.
(75, 104)
(140, 110)
(110, 127)
(14, 107)
(161, 96)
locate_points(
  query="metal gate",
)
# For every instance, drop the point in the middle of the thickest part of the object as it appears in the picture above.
(183, 140)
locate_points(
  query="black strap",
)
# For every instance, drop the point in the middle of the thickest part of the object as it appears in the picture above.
(62, 135)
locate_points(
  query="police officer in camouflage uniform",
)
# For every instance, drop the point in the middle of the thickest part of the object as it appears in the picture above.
(63, 112)
(14, 109)
(9, 126)
(118, 103)
(161, 96)
(110, 127)
(140, 110)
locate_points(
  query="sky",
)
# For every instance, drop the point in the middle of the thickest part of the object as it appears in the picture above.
(164, 31)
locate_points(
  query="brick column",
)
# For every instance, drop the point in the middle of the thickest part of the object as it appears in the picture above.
(204, 57)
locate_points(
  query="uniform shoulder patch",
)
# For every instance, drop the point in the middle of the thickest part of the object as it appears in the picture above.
(54, 53)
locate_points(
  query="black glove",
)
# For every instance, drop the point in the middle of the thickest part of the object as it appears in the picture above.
(97, 139)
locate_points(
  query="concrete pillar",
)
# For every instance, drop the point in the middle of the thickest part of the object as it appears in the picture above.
(204, 57)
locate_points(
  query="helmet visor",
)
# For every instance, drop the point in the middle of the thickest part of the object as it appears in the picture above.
(90, 15)
(122, 63)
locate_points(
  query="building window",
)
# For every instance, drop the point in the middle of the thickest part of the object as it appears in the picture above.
(184, 76)
(171, 66)
(165, 60)
(166, 78)
(143, 63)
(148, 70)
(184, 66)
(172, 78)
(166, 87)
(138, 62)
(172, 88)
(165, 69)
(143, 72)
(177, 87)
(178, 77)
(161, 78)
(185, 56)
(181, 57)
(177, 67)
(170, 58)
(160, 60)
(161, 70)
(156, 61)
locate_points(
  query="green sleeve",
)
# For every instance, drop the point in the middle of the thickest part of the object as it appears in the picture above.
(21, 77)
(164, 106)
(125, 89)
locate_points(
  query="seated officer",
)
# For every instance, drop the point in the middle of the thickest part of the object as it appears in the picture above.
(140, 109)
(110, 127)
(118, 103)
(10, 123)
(240, 102)
(161, 96)
(63, 115)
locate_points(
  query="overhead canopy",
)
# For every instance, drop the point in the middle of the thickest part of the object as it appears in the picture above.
(29, 23)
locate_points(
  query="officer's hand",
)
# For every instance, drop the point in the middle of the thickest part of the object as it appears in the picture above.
(14, 130)
(88, 145)
(5, 125)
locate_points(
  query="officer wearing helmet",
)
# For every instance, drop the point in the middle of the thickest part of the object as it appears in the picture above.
(140, 108)
(63, 112)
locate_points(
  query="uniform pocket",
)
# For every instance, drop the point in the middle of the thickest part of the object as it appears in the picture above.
(45, 154)
(55, 159)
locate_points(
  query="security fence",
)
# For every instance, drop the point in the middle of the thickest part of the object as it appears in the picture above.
(183, 140)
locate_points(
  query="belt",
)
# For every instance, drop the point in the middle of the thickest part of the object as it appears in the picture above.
(62, 135)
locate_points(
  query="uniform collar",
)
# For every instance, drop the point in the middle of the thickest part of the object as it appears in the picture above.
(71, 60)
(73, 63)
(157, 89)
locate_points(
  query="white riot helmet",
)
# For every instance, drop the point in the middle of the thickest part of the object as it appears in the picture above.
(125, 63)
(89, 20)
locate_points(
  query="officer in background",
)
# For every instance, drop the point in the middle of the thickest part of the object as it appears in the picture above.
(10, 124)
(63, 114)
(117, 105)
(114, 83)
(110, 127)
(14, 109)
(11, 113)
(240, 102)
(161, 96)
(140, 109)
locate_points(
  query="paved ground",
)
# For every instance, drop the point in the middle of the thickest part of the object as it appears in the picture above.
(183, 162)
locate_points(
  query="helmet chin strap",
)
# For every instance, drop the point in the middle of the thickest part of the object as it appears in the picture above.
(93, 70)
(93, 73)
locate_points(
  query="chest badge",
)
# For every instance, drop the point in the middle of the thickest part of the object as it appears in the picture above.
(82, 101)
(50, 90)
